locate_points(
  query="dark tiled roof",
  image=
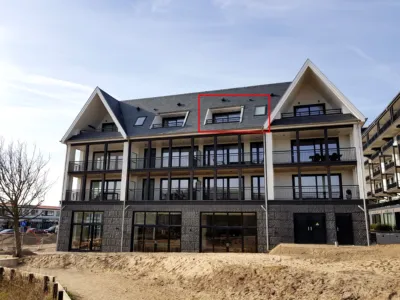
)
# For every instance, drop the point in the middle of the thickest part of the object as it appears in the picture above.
(95, 135)
(189, 103)
(314, 119)
(115, 107)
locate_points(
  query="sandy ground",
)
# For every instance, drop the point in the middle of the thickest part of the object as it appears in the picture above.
(288, 272)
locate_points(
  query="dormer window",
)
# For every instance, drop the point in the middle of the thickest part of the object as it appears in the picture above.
(173, 122)
(224, 115)
(167, 120)
(109, 127)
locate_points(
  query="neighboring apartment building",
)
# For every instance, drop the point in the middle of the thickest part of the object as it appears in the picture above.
(381, 145)
(41, 217)
(182, 190)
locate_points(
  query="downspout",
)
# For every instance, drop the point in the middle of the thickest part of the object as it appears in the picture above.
(266, 190)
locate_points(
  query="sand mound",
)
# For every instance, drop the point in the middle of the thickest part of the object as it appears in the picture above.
(304, 275)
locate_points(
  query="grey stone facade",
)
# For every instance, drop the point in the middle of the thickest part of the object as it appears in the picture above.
(281, 229)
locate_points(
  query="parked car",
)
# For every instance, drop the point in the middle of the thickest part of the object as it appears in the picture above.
(7, 231)
(52, 229)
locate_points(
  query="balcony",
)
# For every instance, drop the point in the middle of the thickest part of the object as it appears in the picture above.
(312, 113)
(376, 173)
(392, 185)
(368, 178)
(222, 120)
(335, 156)
(383, 128)
(98, 165)
(370, 195)
(388, 166)
(92, 195)
(378, 190)
(344, 192)
(199, 194)
(199, 161)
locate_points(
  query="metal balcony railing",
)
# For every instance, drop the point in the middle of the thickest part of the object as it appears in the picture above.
(339, 192)
(376, 172)
(392, 185)
(309, 156)
(232, 159)
(96, 165)
(385, 126)
(231, 194)
(312, 113)
(221, 120)
(378, 190)
(389, 165)
(93, 195)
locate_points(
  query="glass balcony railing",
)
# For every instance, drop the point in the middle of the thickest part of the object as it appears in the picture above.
(311, 156)
(339, 192)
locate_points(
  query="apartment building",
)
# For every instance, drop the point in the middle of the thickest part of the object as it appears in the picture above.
(381, 145)
(40, 217)
(139, 176)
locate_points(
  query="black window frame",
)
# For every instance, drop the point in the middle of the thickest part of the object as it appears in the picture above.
(195, 182)
(317, 192)
(208, 190)
(108, 154)
(321, 151)
(309, 106)
(208, 156)
(90, 224)
(145, 225)
(260, 190)
(257, 148)
(180, 149)
(179, 121)
(112, 125)
(227, 227)
(228, 116)
(116, 193)
(139, 118)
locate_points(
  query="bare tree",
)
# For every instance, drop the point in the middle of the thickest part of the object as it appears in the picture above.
(23, 183)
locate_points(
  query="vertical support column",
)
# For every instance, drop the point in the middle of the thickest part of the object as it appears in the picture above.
(103, 175)
(84, 178)
(269, 180)
(105, 157)
(328, 166)
(360, 173)
(241, 189)
(148, 165)
(170, 166)
(125, 171)
(191, 167)
(215, 166)
(298, 164)
(69, 156)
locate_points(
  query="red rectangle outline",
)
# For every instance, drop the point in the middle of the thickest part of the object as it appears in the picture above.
(244, 131)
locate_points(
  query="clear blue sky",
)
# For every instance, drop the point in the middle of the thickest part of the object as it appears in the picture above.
(54, 53)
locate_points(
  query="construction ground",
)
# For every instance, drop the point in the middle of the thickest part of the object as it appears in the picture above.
(288, 272)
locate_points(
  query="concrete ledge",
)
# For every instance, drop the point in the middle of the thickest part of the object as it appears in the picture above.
(8, 262)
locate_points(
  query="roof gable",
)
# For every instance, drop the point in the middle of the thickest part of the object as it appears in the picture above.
(307, 69)
(98, 103)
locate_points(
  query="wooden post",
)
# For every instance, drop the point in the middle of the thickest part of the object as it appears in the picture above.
(12, 274)
(1, 273)
(55, 290)
(46, 284)
(60, 295)
(30, 277)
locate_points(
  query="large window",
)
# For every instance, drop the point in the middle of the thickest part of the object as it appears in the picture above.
(309, 110)
(157, 232)
(227, 188)
(180, 157)
(257, 188)
(257, 153)
(226, 155)
(316, 186)
(228, 232)
(179, 189)
(173, 122)
(313, 150)
(87, 228)
(109, 127)
(112, 189)
(229, 117)
(152, 162)
(114, 160)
